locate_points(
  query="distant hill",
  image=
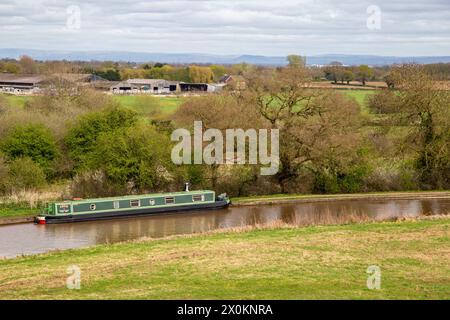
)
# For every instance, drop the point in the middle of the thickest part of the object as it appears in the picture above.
(140, 57)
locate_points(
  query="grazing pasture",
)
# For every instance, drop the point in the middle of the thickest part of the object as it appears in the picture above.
(277, 262)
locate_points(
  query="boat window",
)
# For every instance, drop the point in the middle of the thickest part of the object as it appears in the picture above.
(152, 202)
(135, 203)
(170, 200)
(116, 205)
(198, 197)
(63, 208)
(93, 206)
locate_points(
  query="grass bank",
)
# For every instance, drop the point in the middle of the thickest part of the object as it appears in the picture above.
(15, 101)
(25, 204)
(320, 262)
(16, 213)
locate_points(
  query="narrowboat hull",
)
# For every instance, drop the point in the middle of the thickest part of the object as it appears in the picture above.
(53, 219)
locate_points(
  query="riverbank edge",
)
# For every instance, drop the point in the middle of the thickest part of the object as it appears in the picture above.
(16, 220)
(286, 199)
(282, 199)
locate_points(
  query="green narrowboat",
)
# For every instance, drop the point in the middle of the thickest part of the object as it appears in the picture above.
(128, 206)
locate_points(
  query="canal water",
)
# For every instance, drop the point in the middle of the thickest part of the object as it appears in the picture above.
(25, 239)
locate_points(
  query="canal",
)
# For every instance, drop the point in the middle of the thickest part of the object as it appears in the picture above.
(25, 239)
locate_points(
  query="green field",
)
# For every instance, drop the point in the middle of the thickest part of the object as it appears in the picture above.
(16, 101)
(360, 96)
(321, 262)
(167, 105)
(151, 105)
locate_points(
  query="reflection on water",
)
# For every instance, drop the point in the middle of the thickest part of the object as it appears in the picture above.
(30, 239)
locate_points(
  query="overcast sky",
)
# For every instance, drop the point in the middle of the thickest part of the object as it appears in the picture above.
(276, 27)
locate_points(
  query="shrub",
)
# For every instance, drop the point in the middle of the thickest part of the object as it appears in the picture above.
(391, 176)
(384, 102)
(81, 139)
(34, 141)
(129, 160)
(22, 174)
(93, 183)
(3, 176)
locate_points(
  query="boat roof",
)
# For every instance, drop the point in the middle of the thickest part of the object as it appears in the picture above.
(137, 196)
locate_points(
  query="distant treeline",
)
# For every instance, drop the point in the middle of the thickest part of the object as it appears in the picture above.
(115, 71)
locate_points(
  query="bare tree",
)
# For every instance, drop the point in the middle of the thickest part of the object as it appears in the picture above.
(424, 109)
(317, 128)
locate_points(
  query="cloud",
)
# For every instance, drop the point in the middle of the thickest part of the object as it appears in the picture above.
(229, 26)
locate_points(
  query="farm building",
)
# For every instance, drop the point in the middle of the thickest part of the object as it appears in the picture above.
(151, 86)
(215, 87)
(20, 84)
(124, 87)
(226, 78)
(35, 83)
(237, 81)
(155, 86)
(192, 87)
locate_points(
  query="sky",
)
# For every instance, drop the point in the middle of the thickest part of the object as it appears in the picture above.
(230, 27)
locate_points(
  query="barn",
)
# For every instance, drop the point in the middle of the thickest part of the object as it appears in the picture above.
(20, 84)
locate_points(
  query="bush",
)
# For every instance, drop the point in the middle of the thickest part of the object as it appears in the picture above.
(384, 102)
(67, 101)
(81, 139)
(3, 176)
(34, 141)
(135, 159)
(351, 180)
(21, 174)
(94, 184)
(391, 176)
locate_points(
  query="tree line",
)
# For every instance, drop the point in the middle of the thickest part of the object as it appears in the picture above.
(335, 71)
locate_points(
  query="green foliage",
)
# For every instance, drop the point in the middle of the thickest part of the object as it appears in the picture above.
(218, 71)
(201, 74)
(296, 60)
(348, 76)
(195, 174)
(81, 139)
(109, 74)
(34, 141)
(364, 73)
(20, 174)
(353, 180)
(347, 177)
(11, 67)
(137, 156)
